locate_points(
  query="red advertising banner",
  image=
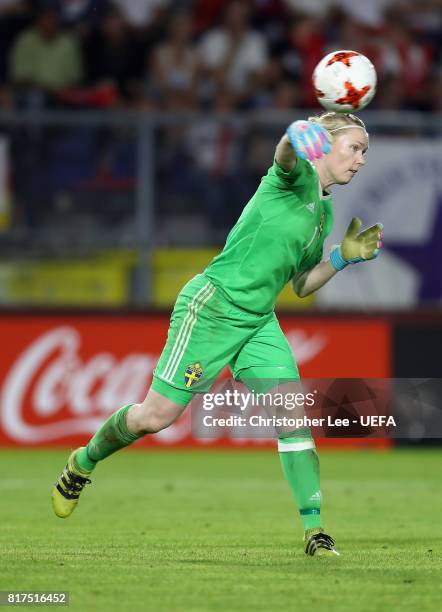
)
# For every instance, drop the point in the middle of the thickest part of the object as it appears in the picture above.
(61, 376)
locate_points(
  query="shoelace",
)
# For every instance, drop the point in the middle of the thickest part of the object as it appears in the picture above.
(76, 483)
(73, 484)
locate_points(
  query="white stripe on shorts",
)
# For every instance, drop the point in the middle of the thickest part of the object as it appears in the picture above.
(186, 342)
(182, 330)
(287, 447)
(183, 337)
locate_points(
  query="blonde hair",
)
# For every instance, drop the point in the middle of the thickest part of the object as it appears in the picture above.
(332, 121)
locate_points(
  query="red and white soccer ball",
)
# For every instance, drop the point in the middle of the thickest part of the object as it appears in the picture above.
(344, 81)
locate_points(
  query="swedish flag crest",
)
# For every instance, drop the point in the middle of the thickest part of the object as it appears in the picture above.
(192, 374)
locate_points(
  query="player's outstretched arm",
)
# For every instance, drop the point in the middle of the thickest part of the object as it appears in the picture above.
(356, 247)
(285, 154)
(308, 282)
(304, 139)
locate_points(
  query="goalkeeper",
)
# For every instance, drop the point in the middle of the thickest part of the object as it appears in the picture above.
(226, 314)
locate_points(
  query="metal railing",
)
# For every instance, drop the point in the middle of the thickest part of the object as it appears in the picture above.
(160, 185)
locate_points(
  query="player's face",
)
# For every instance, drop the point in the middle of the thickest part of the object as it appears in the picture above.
(346, 156)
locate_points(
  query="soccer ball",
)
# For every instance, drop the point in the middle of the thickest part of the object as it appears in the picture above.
(344, 81)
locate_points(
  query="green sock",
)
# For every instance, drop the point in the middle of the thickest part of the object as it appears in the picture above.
(82, 460)
(300, 465)
(112, 436)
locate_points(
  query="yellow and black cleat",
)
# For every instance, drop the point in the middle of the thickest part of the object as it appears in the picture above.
(319, 544)
(68, 487)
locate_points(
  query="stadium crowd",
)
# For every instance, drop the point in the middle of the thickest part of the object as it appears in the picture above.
(182, 55)
(211, 54)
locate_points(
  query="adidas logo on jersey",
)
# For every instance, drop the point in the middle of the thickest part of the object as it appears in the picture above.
(311, 207)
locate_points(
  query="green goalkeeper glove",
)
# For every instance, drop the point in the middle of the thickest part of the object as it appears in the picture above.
(357, 247)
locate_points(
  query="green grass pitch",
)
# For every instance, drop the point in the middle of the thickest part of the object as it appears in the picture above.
(209, 530)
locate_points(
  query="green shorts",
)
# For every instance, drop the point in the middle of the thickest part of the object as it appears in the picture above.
(207, 332)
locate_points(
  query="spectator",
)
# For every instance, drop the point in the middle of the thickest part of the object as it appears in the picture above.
(113, 56)
(45, 60)
(234, 56)
(252, 66)
(425, 16)
(270, 17)
(215, 147)
(344, 32)
(407, 60)
(14, 17)
(174, 62)
(142, 14)
(312, 8)
(286, 96)
(366, 13)
(206, 13)
(302, 49)
(75, 11)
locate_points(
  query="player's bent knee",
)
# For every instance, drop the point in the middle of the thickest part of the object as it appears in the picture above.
(150, 424)
(145, 420)
(154, 414)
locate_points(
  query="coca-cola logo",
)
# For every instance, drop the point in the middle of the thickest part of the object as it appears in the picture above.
(51, 392)
(53, 373)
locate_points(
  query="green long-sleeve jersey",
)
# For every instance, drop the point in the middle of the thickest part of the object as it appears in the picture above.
(279, 234)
